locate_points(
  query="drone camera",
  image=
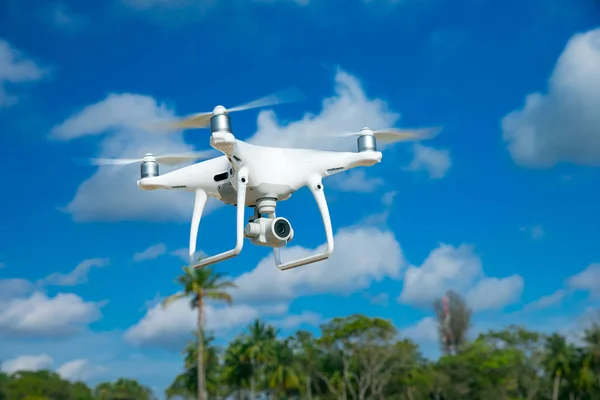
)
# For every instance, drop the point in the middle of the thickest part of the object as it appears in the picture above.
(149, 169)
(270, 232)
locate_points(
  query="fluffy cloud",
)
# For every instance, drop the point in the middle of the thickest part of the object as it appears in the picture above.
(586, 280)
(170, 326)
(75, 370)
(151, 253)
(435, 162)
(79, 370)
(294, 321)
(362, 255)
(349, 109)
(495, 293)
(76, 277)
(562, 124)
(41, 316)
(546, 301)
(459, 269)
(425, 330)
(27, 363)
(355, 180)
(16, 69)
(14, 287)
(111, 192)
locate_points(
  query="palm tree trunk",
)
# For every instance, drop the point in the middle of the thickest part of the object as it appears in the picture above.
(200, 369)
(252, 379)
(308, 389)
(556, 385)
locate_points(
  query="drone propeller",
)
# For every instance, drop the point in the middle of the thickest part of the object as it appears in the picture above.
(167, 159)
(202, 120)
(393, 135)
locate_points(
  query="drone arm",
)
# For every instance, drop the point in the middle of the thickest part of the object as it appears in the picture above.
(242, 181)
(316, 187)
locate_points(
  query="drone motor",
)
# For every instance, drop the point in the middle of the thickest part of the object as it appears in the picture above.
(366, 141)
(149, 167)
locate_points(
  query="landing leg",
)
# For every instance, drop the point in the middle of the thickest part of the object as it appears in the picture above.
(316, 187)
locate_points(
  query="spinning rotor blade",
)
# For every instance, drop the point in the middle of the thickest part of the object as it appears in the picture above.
(202, 120)
(167, 159)
(393, 135)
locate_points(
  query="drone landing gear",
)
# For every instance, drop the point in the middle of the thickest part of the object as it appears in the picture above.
(200, 202)
(316, 187)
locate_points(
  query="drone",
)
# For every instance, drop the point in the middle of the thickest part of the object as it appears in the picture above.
(255, 176)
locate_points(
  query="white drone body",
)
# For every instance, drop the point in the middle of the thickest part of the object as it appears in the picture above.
(249, 175)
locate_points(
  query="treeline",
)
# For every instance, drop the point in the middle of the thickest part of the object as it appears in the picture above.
(48, 385)
(354, 358)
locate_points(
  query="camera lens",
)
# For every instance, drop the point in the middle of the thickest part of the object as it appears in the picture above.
(282, 228)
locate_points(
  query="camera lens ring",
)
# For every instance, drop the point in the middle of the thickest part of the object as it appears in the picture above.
(282, 228)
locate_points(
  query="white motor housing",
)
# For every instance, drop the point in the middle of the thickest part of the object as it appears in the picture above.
(270, 232)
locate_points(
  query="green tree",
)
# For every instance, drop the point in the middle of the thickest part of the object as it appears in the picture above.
(237, 370)
(453, 325)
(201, 284)
(557, 360)
(186, 383)
(123, 389)
(282, 369)
(44, 384)
(258, 349)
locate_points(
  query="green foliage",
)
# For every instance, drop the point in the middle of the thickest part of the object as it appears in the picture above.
(47, 385)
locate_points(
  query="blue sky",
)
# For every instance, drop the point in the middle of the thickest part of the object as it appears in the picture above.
(502, 206)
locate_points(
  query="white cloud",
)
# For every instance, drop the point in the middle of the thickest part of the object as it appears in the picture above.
(65, 19)
(362, 255)
(425, 330)
(111, 193)
(151, 253)
(169, 326)
(459, 269)
(546, 301)
(435, 162)
(43, 316)
(586, 280)
(27, 363)
(14, 287)
(79, 370)
(294, 321)
(349, 109)
(355, 180)
(16, 69)
(562, 124)
(76, 277)
(495, 293)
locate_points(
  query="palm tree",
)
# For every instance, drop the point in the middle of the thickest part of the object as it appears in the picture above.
(258, 347)
(283, 369)
(557, 360)
(237, 370)
(186, 383)
(201, 284)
